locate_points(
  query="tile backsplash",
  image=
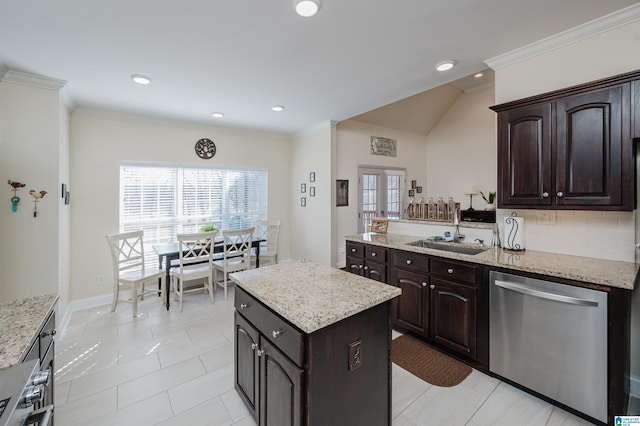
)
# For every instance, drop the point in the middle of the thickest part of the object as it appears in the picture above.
(598, 234)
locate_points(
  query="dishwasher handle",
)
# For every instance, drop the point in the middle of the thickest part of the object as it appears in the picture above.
(518, 288)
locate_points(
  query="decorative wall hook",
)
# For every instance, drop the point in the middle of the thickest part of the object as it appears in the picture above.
(15, 200)
(37, 196)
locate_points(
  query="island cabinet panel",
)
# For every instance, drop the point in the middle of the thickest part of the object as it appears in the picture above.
(635, 109)
(342, 377)
(570, 149)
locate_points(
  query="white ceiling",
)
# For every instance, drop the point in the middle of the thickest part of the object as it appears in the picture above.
(243, 56)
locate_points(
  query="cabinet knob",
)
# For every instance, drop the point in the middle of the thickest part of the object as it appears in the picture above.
(424, 284)
(353, 250)
(366, 268)
(244, 305)
(254, 346)
(450, 270)
(373, 254)
(360, 266)
(276, 333)
(432, 286)
(409, 262)
(545, 195)
(260, 352)
(560, 194)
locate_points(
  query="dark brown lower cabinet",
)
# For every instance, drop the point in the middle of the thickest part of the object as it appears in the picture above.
(410, 311)
(286, 377)
(453, 321)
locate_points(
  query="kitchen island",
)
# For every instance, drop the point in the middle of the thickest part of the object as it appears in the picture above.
(313, 345)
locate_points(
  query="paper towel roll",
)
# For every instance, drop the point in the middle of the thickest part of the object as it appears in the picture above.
(513, 233)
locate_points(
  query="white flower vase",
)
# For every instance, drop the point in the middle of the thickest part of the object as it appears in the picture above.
(491, 206)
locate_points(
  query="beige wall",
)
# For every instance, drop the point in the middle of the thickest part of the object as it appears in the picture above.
(312, 152)
(98, 146)
(461, 149)
(353, 149)
(30, 150)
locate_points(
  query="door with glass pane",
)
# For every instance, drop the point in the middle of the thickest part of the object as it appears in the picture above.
(380, 193)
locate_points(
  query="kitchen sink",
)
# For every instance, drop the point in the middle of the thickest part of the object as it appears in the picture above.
(453, 247)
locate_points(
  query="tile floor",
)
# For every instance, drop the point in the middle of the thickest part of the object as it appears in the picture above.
(173, 368)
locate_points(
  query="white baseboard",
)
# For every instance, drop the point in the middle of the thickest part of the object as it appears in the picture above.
(78, 305)
(634, 388)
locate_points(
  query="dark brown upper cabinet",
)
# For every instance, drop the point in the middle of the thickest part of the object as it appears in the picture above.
(570, 149)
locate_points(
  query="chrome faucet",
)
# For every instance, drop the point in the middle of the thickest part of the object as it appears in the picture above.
(456, 233)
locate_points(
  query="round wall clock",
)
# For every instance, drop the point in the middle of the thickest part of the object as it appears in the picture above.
(205, 148)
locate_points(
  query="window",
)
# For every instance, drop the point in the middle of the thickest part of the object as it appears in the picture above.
(165, 201)
(380, 194)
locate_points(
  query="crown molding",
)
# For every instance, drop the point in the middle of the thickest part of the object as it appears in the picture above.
(33, 80)
(581, 32)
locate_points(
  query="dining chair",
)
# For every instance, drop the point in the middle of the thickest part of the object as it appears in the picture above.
(127, 253)
(196, 255)
(237, 255)
(268, 230)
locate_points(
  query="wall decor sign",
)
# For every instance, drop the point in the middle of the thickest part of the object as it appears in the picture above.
(383, 146)
(205, 148)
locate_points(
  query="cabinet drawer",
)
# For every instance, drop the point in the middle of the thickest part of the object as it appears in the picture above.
(287, 338)
(377, 254)
(411, 261)
(355, 249)
(454, 270)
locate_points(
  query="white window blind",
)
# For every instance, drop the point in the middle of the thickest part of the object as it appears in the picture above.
(165, 201)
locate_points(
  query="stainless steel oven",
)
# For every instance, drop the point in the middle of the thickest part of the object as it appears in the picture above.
(22, 392)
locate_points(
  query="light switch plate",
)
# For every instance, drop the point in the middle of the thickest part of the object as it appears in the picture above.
(546, 217)
(355, 355)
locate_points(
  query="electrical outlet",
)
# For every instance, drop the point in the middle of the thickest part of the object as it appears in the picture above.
(100, 279)
(546, 217)
(355, 355)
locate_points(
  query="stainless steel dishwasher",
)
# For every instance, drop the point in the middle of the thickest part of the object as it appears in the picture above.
(552, 339)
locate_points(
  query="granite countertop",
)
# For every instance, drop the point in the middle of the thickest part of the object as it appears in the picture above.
(20, 320)
(312, 296)
(586, 269)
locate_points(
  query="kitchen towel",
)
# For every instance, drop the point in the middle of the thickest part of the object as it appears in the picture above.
(513, 233)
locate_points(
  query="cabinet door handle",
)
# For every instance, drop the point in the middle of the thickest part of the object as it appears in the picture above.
(432, 286)
(373, 254)
(254, 346)
(560, 194)
(244, 305)
(450, 270)
(260, 352)
(409, 262)
(276, 333)
(545, 195)
(48, 333)
(424, 284)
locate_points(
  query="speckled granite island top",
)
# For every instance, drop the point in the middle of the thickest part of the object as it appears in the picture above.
(20, 320)
(586, 269)
(312, 296)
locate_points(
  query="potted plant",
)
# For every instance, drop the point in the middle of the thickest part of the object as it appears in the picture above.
(489, 200)
(209, 228)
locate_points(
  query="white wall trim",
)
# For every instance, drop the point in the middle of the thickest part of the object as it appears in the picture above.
(33, 80)
(581, 32)
(634, 389)
(78, 305)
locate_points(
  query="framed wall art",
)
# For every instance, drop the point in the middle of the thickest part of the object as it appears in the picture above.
(379, 226)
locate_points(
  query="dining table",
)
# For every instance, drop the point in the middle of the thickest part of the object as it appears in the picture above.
(167, 252)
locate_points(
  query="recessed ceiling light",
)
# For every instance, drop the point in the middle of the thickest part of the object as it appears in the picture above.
(217, 114)
(306, 8)
(445, 66)
(478, 75)
(140, 79)
(277, 108)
